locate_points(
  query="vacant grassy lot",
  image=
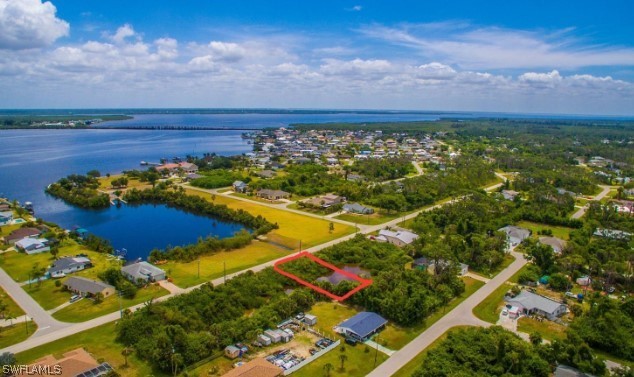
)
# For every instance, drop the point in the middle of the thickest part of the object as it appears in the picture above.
(100, 342)
(104, 182)
(360, 361)
(211, 266)
(11, 306)
(373, 219)
(395, 337)
(558, 231)
(47, 294)
(547, 329)
(15, 334)
(86, 309)
(309, 230)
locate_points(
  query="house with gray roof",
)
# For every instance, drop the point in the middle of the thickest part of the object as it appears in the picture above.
(398, 238)
(21, 233)
(33, 245)
(557, 244)
(613, 234)
(531, 303)
(514, 234)
(6, 217)
(87, 287)
(142, 271)
(272, 194)
(68, 265)
(357, 208)
(239, 186)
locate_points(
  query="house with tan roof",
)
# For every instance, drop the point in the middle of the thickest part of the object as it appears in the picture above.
(75, 363)
(257, 367)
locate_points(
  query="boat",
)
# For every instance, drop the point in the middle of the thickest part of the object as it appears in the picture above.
(143, 163)
(29, 207)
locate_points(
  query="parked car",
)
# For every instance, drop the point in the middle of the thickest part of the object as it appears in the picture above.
(74, 298)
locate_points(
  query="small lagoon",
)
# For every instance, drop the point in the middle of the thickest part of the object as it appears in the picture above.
(141, 228)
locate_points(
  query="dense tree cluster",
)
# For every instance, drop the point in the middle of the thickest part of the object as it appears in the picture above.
(114, 277)
(204, 246)
(383, 169)
(217, 178)
(80, 190)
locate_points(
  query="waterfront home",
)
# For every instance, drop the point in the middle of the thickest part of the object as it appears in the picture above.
(21, 233)
(272, 194)
(398, 238)
(87, 287)
(239, 186)
(33, 245)
(6, 217)
(185, 167)
(68, 265)
(74, 363)
(357, 208)
(142, 271)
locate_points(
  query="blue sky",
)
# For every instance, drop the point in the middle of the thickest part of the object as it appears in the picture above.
(543, 56)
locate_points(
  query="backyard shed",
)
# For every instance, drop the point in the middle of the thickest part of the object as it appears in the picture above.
(310, 319)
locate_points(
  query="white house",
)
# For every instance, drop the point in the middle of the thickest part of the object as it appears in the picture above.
(68, 265)
(515, 234)
(6, 217)
(398, 238)
(531, 303)
(142, 271)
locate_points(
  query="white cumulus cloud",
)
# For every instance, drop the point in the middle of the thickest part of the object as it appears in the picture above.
(26, 24)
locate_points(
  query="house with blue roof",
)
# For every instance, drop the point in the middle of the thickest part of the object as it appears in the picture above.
(362, 326)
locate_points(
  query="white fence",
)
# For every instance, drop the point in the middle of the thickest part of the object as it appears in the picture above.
(312, 358)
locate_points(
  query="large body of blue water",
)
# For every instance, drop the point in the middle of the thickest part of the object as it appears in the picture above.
(32, 159)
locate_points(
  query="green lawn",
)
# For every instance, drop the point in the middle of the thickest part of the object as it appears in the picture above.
(549, 330)
(395, 337)
(359, 362)
(11, 307)
(558, 231)
(19, 265)
(15, 334)
(85, 309)
(47, 294)
(212, 266)
(408, 369)
(100, 342)
(373, 219)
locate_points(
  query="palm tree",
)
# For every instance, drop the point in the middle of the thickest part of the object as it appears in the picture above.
(343, 359)
(328, 367)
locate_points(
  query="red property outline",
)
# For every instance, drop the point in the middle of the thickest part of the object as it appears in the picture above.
(363, 283)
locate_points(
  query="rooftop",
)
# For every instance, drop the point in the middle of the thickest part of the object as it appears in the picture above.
(364, 323)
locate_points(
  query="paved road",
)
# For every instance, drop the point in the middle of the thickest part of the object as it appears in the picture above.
(61, 330)
(582, 211)
(461, 315)
(45, 322)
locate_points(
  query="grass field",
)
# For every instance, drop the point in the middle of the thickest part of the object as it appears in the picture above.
(373, 219)
(11, 306)
(16, 333)
(104, 182)
(85, 309)
(558, 231)
(47, 294)
(395, 337)
(408, 369)
(212, 266)
(309, 230)
(549, 330)
(100, 342)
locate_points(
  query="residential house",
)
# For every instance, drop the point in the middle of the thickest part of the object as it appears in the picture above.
(266, 174)
(398, 238)
(325, 201)
(21, 233)
(429, 265)
(6, 217)
(510, 194)
(33, 245)
(515, 234)
(232, 352)
(357, 208)
(185, 167)
(75, 363)
(192, 176)
(531, 303)
(272, 194)
(142, 271)
(557, 244)
(87, 287)
(68, 265)
(239, 186)
(613, 234)
(257, 367)
(361, 326)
